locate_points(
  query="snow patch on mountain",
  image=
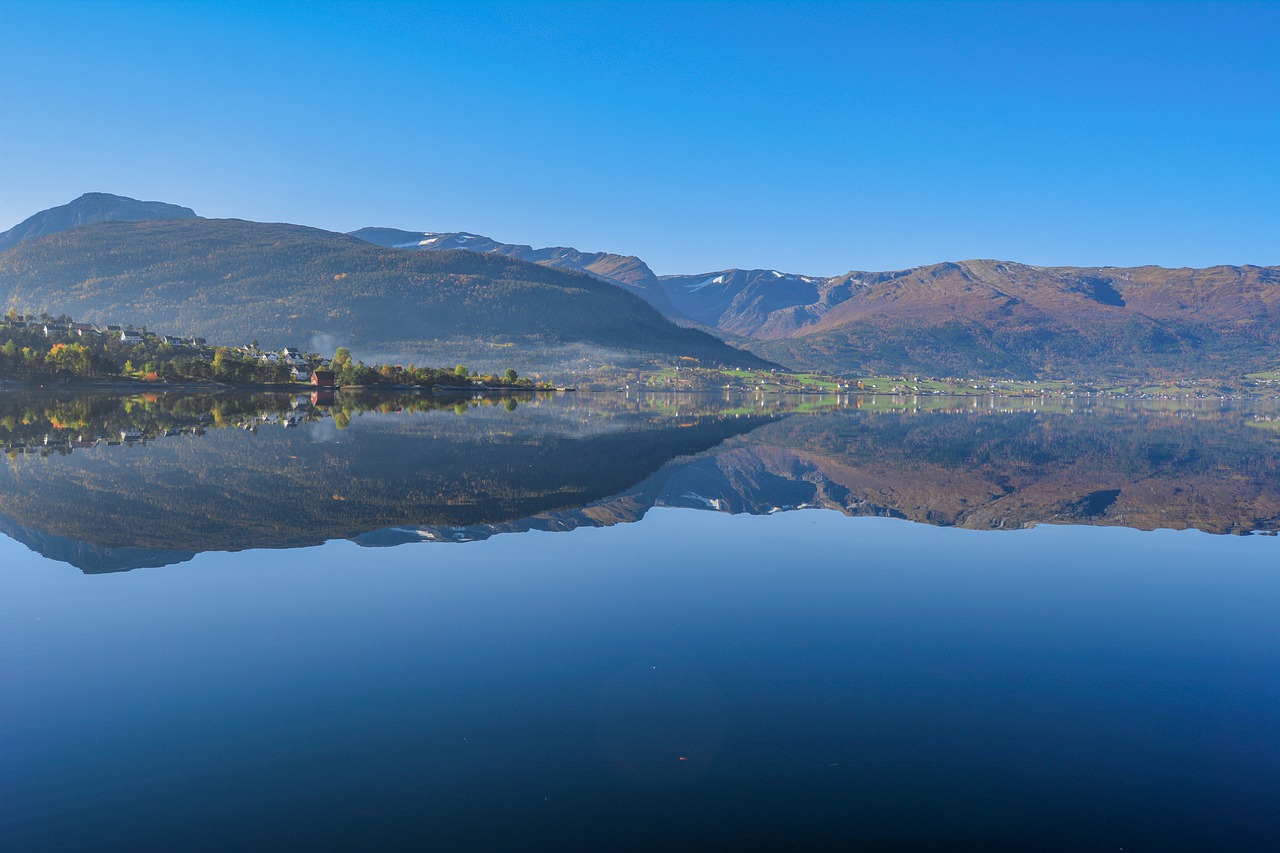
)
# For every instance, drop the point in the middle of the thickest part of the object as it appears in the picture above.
(699, 285)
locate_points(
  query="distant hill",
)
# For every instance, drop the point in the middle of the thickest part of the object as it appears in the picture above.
(90, 207)
(232, 280)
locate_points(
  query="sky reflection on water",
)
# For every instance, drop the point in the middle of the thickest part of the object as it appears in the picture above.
(697, 678)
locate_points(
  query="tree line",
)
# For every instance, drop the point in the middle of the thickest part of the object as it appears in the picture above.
(28, 353)
(348, 371)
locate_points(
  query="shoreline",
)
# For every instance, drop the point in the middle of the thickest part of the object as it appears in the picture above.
(122, 384)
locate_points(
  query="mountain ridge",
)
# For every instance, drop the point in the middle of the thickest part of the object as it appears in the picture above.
(971, 316)
(976, 316)
(286, 284)
(626, 271)
(89, 208)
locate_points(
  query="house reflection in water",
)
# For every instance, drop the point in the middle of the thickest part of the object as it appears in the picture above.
(324, 382)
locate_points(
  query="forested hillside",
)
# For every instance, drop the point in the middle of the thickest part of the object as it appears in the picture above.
(231, 280)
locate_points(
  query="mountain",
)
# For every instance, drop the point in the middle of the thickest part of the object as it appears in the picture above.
(770, 305)
(415, 294)
(968, 317)
(999, 317)
(232, 280)
(743, 302)
(626, 271)
(91, 207)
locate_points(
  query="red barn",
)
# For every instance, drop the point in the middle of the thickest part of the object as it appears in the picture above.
(323, 379)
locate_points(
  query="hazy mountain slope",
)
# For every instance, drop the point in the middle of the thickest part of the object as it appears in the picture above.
(91, 207)
(233, 280)
(626, 271)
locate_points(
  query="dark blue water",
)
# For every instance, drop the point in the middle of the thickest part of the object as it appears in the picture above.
(695, 680)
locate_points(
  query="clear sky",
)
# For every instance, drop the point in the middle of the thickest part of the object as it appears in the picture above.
(813, 138)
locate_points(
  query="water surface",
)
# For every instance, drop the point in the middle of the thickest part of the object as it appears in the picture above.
(637, 623)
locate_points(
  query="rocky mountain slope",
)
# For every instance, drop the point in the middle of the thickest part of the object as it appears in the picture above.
(1002, 317)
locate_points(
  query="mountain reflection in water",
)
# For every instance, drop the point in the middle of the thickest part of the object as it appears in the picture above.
(110, 483)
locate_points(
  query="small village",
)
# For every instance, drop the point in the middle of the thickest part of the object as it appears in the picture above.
(79, 351)
(301, 366)
(63, 350)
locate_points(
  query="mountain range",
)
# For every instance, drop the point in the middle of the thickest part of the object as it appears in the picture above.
(983, 317)
(975, 316)
(232, 280)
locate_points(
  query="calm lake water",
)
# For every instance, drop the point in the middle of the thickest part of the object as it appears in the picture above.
(668, 621)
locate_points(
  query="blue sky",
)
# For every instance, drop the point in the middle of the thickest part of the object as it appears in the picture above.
(813, 138)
